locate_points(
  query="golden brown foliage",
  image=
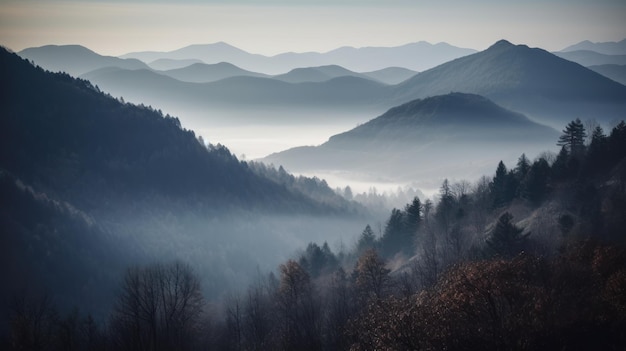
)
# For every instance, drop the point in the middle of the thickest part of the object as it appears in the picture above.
(575, 301)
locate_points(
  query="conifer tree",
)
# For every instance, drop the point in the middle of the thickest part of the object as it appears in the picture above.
(598, 153)
(413, 216)
(523, 166)
(394, 239)
(501, 186)
(573, 138)
(507, 239)
(446, 207)
(367, 240)
(535, 185)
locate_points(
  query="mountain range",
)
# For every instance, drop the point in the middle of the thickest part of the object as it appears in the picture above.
(243, 98)
(206, 73)
(424, 139)
(533, 81)
(546, 88)
(355, 59)
(607, 48)
(76, 59)
(530, 80)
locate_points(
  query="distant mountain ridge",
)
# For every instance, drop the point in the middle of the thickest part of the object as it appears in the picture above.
(206, 73)
(168, 64)
(414, 56)
(239, 92)
(592, 58)
(317, 74)
(607, 48)
(76, 59)
(530, 80)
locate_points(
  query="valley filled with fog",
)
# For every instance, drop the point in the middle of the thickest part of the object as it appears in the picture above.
(306, 200)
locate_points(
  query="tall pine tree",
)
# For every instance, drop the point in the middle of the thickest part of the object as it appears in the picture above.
(573, 138)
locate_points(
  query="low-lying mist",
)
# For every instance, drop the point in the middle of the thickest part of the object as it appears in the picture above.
(229, 249)
(256, 133)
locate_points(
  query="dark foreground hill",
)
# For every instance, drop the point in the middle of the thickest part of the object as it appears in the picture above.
(67, 138)
(415, 139)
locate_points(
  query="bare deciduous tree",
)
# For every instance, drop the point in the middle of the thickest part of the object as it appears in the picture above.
(159, 308)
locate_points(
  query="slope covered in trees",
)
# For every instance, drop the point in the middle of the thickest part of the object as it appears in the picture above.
(91, 185)
(67, 138)
(530, 258)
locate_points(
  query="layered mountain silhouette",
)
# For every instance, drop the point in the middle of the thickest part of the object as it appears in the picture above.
(207, 53)
(241, 93)
(545, 87)
(317, 74)
(530, 80)
(415, 56)
(168, 64)
(423, 137)
(592, 58)
(391, 75)
(205, 73)
(75, 59)
(607, 48)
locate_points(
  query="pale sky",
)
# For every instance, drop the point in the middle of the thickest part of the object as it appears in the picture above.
(115, 27)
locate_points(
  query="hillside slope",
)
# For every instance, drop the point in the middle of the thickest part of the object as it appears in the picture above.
(90, 185)
(422, 138)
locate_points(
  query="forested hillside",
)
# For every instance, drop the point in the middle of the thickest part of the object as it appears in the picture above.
(529, 258)
(121, 230)
(91, 185)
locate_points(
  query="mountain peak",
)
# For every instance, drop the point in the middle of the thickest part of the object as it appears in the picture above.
(503, 43)
(451, 107)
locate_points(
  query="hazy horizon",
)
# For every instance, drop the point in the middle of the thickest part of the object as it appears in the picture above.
(112, 27)
(269, 28)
